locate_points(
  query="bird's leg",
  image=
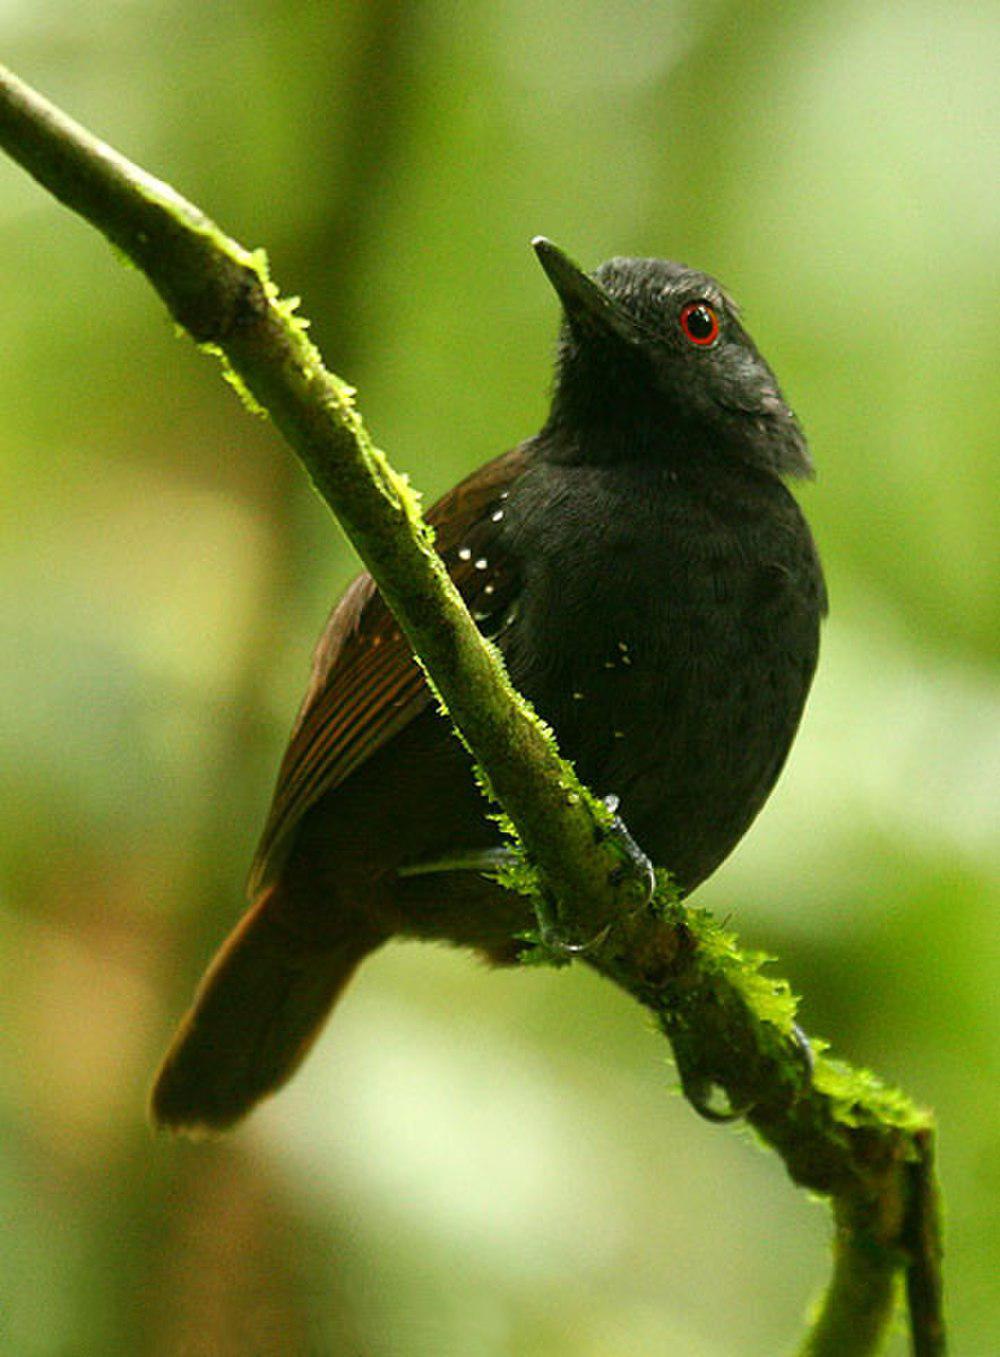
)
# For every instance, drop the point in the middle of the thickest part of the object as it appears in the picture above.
(552, 932)
(485, 860)
(632, 873)
(634, 868)
(494, 862)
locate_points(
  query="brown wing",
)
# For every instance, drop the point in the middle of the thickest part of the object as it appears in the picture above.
(366, 685)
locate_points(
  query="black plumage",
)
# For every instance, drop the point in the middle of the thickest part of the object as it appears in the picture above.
(656, 593)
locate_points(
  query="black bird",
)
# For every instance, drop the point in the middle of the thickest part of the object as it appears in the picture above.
(656, 593)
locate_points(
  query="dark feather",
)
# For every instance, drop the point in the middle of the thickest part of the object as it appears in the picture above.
(366, 685)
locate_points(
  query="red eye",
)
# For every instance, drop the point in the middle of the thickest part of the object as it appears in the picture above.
(700, 323)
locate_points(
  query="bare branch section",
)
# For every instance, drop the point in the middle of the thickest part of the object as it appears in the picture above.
(840, 1131)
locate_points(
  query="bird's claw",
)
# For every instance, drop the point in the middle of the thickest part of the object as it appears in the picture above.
(634, 869)
(632, 875)
(557, 941)
(554, 937)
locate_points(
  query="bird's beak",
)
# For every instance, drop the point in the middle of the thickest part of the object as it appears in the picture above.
(586, 304)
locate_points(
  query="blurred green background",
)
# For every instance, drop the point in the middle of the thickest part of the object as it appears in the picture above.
(476, 1163)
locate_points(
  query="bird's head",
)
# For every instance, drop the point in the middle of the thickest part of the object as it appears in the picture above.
(653, 356)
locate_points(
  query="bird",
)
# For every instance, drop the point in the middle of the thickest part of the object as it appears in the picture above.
(655, 592)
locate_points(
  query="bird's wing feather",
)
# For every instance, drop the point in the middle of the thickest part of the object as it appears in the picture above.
(366, 685)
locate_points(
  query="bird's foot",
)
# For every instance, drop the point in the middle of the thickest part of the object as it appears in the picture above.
(632, 878)
(553, 935)
(634, 873)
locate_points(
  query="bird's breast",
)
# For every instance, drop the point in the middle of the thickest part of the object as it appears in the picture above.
(670, 643)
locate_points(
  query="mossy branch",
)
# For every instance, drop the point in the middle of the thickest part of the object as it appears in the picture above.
(840, 1131)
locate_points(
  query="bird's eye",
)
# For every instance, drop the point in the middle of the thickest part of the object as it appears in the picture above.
(700, 324)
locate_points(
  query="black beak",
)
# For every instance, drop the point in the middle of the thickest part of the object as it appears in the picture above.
(586, 304)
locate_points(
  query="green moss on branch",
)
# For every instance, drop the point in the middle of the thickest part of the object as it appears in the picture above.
(732, 1027)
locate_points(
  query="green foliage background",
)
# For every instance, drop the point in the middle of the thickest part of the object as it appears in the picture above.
(477, 1163)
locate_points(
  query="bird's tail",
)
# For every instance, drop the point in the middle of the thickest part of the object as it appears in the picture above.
(254, 1018)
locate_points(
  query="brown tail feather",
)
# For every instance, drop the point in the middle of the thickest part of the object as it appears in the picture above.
(257, 1012)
